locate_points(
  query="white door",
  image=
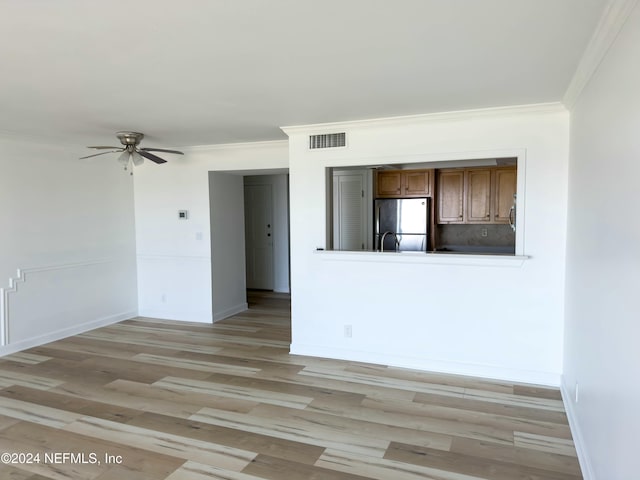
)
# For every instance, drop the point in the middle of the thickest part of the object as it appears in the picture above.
(349, 211)
(259, 236)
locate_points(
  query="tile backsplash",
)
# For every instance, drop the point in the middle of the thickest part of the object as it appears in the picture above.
(500, 237)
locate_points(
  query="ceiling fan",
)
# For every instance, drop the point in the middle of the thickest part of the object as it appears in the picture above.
(131, 153)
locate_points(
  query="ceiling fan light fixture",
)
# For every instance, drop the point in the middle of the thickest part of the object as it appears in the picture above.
(137, 158)
(123, 159)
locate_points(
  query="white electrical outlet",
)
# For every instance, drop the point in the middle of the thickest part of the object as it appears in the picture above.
(484, 232)
(348, 331)
(576, 392)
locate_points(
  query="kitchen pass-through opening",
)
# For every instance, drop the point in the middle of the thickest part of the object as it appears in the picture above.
(462, 206)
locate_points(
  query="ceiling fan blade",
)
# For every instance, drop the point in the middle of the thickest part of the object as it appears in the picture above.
(101, 147)
(161, 150)
(102, 153)
(151, 156)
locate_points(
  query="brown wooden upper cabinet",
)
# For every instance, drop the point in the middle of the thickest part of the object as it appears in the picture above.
(478, 198)
(450, 196)
(403, 183)
(475, 195)
(505, 182)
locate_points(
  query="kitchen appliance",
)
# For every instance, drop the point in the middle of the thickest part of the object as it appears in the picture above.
(401, 224)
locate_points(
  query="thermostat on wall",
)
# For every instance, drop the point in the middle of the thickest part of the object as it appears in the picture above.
(183, 214)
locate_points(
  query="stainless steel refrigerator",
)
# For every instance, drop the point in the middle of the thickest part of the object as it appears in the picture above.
(401, 224)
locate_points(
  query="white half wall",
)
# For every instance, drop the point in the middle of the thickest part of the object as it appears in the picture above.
(67, 249)
(602, 357)
(490, 318)
(174, 256)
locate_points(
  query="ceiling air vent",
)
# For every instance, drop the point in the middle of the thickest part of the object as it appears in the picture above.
(327, 140)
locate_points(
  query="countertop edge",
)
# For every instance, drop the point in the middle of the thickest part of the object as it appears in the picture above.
(428, 258)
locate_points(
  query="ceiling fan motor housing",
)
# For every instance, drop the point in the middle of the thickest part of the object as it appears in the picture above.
(130, 138)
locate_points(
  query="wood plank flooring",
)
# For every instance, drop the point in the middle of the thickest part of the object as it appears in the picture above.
(151, 399)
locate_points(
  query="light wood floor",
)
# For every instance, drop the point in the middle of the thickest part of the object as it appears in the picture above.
(172, 400)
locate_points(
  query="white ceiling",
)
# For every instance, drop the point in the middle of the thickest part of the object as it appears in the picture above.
(196, 72)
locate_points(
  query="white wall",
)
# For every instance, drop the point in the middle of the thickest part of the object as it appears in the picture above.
(603, 265)
(280, 189)
(498, 318)
(174, 256)
(228, 262)
(68, 225)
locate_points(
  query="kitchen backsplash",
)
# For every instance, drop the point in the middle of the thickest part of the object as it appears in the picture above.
(472, 235)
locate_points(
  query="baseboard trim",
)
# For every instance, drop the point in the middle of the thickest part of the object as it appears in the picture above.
(576, 432)
(178, 316)
(65, 332)
(198, 317)
(454, 368)
(230, 312)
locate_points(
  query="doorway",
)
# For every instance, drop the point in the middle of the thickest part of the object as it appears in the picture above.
(228, 254)
(266, 216)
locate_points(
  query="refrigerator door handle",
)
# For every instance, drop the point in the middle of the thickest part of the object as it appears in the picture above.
(512, 213)
(378, 242)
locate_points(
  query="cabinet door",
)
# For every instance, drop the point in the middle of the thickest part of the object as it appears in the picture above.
(389, 184)
(450, 196)
(417, 183)
(505, 187)
(479, 196)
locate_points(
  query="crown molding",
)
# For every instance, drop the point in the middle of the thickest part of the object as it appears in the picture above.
(15, 137)
(237, 146)
(609, 26)
(537, 108)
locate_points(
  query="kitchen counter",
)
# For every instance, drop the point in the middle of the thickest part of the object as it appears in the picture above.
(426, 258)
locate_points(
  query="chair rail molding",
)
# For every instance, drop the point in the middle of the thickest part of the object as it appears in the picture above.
(22, 276)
